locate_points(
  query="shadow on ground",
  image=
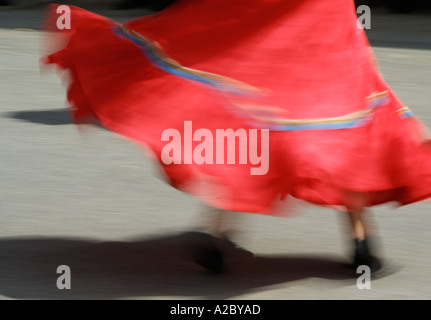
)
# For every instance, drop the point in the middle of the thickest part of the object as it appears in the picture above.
(49, 117)
(156, 267)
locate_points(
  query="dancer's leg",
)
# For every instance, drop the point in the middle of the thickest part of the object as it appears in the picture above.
(209, 254)
(221, 226)
(221, 223)
(362, 231)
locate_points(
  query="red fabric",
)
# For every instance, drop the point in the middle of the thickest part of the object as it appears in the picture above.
(310, 58)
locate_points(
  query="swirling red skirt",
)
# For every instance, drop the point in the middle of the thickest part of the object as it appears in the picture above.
(243, 103)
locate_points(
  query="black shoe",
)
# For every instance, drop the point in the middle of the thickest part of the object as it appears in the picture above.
(209, 258)
(206, 253)
(362, 255)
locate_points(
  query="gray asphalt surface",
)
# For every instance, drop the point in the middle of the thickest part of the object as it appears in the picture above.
(95, 202)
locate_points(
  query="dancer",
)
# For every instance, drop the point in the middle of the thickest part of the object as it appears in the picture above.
(243, 103)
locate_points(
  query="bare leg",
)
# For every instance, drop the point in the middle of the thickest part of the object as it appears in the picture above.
(362, 231)
(356, 204)
(221, 223)
(357, 224)
(213, 221)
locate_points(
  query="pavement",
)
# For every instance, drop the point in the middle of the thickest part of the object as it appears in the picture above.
(90, 200)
